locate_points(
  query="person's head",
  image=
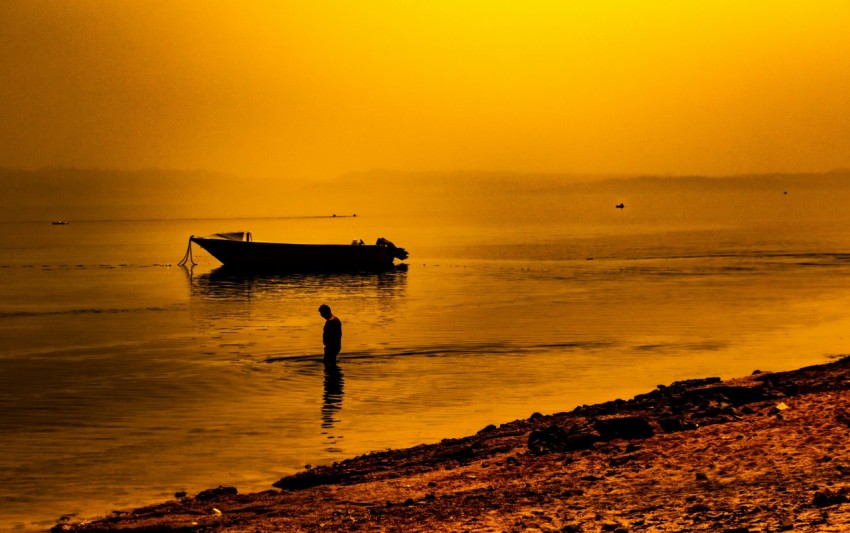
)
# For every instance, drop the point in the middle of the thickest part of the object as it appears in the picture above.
(325, 311)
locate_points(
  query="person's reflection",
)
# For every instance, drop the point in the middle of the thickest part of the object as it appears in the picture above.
(332, 397)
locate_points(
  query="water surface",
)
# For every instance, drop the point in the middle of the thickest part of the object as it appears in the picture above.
(125, 378)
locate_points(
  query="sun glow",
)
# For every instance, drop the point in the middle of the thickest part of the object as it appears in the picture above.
(300, 89)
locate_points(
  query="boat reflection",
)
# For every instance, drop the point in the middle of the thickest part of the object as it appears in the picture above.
(228, 284)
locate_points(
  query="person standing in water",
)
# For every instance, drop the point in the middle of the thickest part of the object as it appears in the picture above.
(331, 335)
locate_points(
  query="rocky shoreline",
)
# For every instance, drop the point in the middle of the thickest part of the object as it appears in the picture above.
(766, 452)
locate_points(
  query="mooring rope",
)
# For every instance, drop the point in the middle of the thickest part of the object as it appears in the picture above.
(187, 257)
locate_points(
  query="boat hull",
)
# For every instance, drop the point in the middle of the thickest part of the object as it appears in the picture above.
(271, 256)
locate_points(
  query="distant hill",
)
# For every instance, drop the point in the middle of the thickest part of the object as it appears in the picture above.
(88, 194)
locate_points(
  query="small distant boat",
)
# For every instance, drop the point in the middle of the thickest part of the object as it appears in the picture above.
(238, 250)
(60, 222)
(620, 206)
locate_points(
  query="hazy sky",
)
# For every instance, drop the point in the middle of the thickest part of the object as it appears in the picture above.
(316, 89)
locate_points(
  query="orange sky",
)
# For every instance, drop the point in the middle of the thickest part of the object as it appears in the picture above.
(311, 89)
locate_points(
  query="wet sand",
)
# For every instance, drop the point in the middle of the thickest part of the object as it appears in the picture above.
(766, 452)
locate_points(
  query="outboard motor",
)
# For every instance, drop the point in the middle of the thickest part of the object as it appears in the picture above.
(398, 253)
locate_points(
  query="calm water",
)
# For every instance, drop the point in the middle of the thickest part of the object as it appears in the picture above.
(125, 378)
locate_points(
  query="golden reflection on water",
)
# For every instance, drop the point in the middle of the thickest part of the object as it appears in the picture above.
(490, 324)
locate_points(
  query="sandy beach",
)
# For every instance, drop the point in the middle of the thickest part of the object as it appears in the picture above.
(765, 452)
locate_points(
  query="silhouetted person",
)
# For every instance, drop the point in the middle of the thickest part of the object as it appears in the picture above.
(331, 335)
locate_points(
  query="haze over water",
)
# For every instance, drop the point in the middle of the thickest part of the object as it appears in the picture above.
(125, 378)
